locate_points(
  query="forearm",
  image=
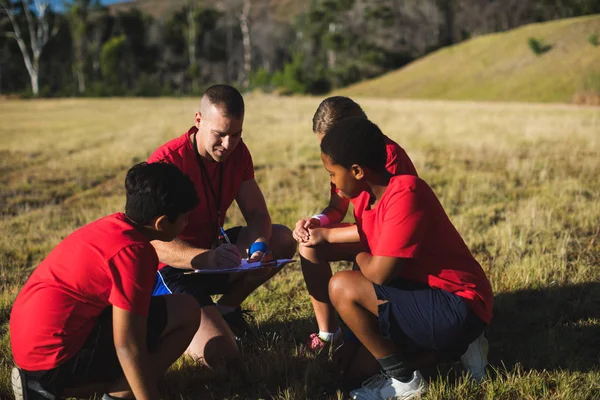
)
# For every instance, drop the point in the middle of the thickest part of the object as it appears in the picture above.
(343, 234)
(259, 227)
(333, 215)
(337, 208)
(180, 254)
(135, 364)
(379, 269)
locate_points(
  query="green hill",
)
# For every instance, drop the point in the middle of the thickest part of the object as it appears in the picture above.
(501, 67)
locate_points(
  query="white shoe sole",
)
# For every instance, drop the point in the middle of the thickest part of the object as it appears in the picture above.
(17, 378)
(477, 368)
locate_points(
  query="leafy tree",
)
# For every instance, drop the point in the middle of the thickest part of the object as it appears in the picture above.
(40, 29)
(114, 64)
(78, 15)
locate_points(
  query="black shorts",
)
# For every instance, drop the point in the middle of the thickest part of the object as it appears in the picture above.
(171, 280)
(97, 361)
(419, 318)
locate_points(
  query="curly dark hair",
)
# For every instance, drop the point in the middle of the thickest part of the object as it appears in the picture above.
(356, 141)
(158, 189)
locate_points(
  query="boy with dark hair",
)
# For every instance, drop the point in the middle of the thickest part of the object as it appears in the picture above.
(420, 296)
(323, 237)
(85, 322)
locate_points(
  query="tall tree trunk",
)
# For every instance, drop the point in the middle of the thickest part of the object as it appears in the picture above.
(246, 41)
(39, 35)
(191, 33)
(80, 80)
(229, 61)
(448, 10)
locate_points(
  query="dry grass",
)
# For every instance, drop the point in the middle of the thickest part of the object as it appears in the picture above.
(520, 182)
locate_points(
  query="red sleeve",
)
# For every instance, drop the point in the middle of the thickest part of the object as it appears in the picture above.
(133, 270)
(154, 157)
(399, 163)
(247, 165)
(403, 225)
(392, 163)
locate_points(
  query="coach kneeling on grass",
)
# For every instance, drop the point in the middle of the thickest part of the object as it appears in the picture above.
(85, 321)
(215, 157)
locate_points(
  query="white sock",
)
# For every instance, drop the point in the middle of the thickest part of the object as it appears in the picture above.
(330, 336)
(225, 309)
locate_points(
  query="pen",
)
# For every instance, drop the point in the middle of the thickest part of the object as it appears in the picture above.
(224, 234)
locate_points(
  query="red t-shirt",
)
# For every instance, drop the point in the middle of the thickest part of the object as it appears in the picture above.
(397, 162)
(409, 222)
(107, 262)
(201, 230)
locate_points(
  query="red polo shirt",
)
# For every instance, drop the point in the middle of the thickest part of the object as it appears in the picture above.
(237, 168)
(409, 222)
(107, 262)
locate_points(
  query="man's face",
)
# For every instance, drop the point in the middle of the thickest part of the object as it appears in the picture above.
(345, 180)
(218, 135)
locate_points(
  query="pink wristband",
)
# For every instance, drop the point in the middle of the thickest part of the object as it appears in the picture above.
(324, 219)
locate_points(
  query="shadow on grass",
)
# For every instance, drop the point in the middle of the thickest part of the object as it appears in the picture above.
(544, 329)
(547, 328)
(274, 365)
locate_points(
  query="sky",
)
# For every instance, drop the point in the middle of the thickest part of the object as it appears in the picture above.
(105, 2)
(58, 4)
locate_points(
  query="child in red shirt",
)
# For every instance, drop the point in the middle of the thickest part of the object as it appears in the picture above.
(419, 297)
(85, 322)
(323, 237)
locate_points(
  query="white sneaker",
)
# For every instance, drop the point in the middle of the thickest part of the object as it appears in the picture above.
(27, 390)
(19, 384)
(382, 387)
(474, 360)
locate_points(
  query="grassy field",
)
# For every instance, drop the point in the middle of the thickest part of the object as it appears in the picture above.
(501, 66)
(521, 182)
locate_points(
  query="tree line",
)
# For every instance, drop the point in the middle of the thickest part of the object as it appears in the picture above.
(86, 49)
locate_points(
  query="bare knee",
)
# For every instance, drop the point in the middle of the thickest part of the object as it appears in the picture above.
(183, 311)
(311, 254)
(282, 241)
(213, 343)
(341, 288)
(220, 350)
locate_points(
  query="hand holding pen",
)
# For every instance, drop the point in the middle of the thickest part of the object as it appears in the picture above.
(226, 255)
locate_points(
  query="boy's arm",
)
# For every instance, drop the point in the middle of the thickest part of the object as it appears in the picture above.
(379, 269)
(342, 233)
(337, 208)
(129, 332)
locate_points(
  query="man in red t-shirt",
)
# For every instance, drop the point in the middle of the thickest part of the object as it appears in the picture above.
(419, 296)
(323, 237)
(85, 321)
(217, 160)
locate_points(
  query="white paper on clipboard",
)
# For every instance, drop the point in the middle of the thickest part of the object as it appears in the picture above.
(246, 266)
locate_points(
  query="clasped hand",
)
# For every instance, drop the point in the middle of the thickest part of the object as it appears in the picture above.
(308, 232)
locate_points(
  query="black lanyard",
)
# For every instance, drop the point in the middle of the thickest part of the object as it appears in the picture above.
(205, 182)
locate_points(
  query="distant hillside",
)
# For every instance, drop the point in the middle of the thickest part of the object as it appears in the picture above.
(500, 67)
(280, 10)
